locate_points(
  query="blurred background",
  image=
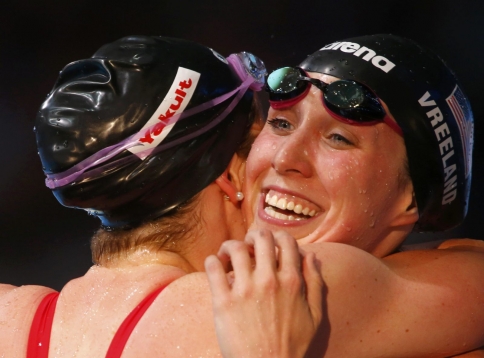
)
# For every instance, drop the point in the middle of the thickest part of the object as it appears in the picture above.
(42, 242)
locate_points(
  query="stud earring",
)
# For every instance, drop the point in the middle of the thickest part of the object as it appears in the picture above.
(239, 195)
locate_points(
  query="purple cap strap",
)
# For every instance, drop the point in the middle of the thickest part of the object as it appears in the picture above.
(76, 172)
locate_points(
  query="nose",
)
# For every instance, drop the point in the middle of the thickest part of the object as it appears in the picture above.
(292, 156)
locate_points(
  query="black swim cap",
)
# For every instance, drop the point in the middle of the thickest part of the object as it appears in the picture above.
(144, 125)
(427, 102)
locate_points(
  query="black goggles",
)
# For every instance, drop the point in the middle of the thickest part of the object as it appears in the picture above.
(346, 100)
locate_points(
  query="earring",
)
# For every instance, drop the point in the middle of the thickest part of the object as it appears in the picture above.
(239, 195)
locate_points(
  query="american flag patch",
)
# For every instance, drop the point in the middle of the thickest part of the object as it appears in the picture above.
(463, 116)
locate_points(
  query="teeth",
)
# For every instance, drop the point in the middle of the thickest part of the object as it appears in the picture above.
(271, 212)
(284, 205)
(273, 201)
(281, 216)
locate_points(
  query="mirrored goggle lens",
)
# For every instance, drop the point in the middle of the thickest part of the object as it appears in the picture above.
(353, 100)
(286, 80)
(345, 94)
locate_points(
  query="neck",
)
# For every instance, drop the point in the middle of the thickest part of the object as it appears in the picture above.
(147, 257)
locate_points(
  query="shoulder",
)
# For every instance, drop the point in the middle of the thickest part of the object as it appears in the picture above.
(179, 323)
(372, 302)
(17, 309)
(463, 244)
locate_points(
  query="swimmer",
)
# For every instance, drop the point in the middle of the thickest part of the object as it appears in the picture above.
(160, 223)
(371, 137)
(149, 136)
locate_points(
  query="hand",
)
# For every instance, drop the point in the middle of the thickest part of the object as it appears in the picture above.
(268, 309)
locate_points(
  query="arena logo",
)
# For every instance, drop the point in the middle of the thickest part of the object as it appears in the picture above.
(159, 125)
(446, 146)
(380, 62)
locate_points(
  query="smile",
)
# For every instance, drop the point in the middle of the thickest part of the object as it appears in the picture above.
(288, 207)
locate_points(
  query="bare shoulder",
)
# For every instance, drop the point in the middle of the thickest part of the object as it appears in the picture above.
(372, 303)
(17, 309)
(4, 289)
(463, 244)
(179, 323)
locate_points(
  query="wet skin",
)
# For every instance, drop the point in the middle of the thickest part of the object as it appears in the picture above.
(348, 176)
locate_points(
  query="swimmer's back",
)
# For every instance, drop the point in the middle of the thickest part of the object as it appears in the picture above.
(17, 308)
(90, 310)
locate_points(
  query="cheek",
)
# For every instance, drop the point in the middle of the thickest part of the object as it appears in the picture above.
(260, 156)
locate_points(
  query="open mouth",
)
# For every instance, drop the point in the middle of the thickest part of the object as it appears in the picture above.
(288, 207)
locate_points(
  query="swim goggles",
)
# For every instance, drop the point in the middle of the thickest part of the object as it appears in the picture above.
(251, 72)
(346, 100)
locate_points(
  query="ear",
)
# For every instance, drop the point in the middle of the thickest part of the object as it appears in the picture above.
(408, 211)
(230, 182)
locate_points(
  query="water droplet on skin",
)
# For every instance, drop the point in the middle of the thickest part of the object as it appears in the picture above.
(372, 223)
(274, 146)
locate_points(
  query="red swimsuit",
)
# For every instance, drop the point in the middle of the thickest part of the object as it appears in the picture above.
(39, 338)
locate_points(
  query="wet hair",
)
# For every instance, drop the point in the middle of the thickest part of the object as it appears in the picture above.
(141, 127)
(430, 107)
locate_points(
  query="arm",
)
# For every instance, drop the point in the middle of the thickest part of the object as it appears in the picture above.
(412, 304)
(265, 309)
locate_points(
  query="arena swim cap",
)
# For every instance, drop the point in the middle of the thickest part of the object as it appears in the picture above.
(428, 103)
(144, 125)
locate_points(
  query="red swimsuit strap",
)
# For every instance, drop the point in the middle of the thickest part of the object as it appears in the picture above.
(124, 331)
(39, 337)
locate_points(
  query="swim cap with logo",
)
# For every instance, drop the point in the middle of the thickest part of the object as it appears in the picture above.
(424, 97)
(144, 125)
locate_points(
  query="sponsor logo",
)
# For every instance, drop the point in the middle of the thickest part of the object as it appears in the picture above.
(365, 53)
(177, 98)
(462, 113)
(446, 146)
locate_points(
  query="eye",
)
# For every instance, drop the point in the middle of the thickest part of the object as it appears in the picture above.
(340, 139)
(280, 124)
